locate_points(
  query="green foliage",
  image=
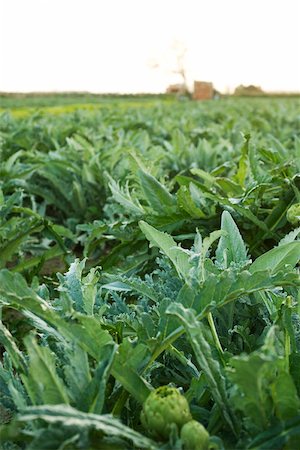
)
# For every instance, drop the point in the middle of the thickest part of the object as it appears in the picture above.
(148, 244)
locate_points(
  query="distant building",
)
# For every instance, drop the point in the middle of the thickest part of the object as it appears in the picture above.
(178, 88)
(248, 91)
(203, 90)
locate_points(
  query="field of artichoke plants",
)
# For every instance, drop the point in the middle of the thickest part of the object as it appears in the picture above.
(149, 277)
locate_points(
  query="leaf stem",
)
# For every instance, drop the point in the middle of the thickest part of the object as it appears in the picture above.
(214, 332)
(287, 339)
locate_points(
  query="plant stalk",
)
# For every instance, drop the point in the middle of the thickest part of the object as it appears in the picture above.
(214, 332)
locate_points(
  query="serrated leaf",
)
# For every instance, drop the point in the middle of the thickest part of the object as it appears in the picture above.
(278, 436)
(76, 371)
(206, 361)
(290, 237)
(218, 290)
(7, 340)
(93, 394)
(231, 247)
(186, 202)
(69, 417)
(168, 246)
(277, 258)
(156, 193)
(131, 284)
(242, 171)
(127, 363)
(45, 384)
(285, 398)
(123, 197)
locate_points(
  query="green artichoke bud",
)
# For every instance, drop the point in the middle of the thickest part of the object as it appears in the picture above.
(293, 214)
(163, 407)
(194, 436)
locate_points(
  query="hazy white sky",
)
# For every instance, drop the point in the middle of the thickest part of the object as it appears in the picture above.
(107, 45)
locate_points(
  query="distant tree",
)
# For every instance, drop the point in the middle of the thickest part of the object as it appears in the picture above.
(251, 90)
(175, 62)
(180, 51)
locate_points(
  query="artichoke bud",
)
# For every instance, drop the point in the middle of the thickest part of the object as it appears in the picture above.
(293, 214)
(163, 407)
(194, 436)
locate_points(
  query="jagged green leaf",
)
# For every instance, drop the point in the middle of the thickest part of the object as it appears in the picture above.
(206, 361)
(276, 259)
(231, 246)
(168, 246)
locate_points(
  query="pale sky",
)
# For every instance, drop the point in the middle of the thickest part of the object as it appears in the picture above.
(108, 45)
